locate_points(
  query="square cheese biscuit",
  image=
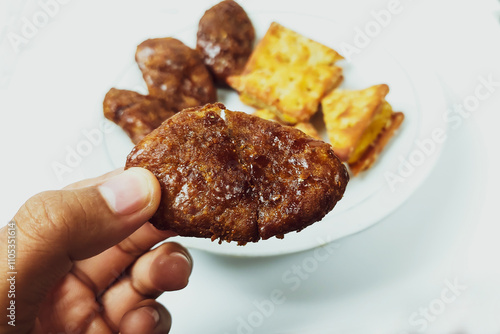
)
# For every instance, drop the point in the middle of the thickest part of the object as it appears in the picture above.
(355, 121)
(370, 155)
(288, 74)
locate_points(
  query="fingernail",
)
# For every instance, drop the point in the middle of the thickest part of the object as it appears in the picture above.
(127, 192)
(181, 255)
(153, 312)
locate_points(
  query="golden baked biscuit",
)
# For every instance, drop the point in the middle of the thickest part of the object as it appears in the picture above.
(371, 154)
(357, 122)
(305, 127)
(288, 74)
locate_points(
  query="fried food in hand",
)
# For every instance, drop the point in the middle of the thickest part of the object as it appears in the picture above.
(205, 191)
(236, 177)
(288, 74)
(297, 179)
(225, 39)
(136, 114)
(175, 73)
(359, 124)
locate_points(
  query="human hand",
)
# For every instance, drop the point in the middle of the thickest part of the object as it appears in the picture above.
(84, 263)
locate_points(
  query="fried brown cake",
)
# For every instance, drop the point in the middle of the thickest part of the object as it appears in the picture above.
(136, 114)
(298, 179)
(205, 190)
(236, 177)
(175, 73)
(225, 39)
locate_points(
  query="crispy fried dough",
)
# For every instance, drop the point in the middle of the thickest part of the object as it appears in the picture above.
(136, 114)
(225, 39)
(205, 191)
(175, 73)
(236, 177)
(298, 179)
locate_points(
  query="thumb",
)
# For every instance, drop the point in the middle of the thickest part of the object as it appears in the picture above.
(83, 222)
(55, 228)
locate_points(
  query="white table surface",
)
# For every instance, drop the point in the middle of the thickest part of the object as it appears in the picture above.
(394, 277)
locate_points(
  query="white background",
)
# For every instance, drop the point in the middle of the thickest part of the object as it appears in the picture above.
(376, 281)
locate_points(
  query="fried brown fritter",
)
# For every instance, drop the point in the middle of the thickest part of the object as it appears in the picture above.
(205, 190)
(175, 73)
(225, 39)
(136, 114)
(298, 179)
(236, 177)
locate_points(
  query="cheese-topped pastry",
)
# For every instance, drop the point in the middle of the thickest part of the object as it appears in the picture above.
(358, 123)
(288, 74)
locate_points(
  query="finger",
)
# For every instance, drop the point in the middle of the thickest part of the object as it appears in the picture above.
(71, 308)
(100, 271)
(148, 317)
(54, 228)
(165, 268)
(94, 181)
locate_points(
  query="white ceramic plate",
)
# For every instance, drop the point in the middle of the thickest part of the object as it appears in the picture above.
(370, 196)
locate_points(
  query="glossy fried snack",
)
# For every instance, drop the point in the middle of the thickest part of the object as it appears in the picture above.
(175, 73)
(136, 114)
(236, 177)
(225, 39)
(296, 178)
(205, 191)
